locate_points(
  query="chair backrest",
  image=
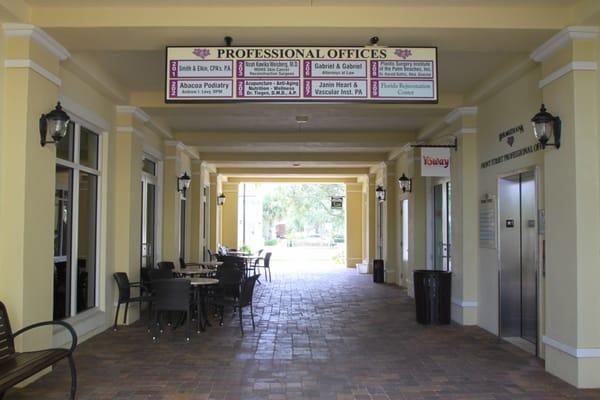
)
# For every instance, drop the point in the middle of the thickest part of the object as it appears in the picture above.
(171, 294)
(160, 274)
(260, 252)
(210, 254)
(166, 265)
(230, 278)
(7, 345)
(181, 263)
(234, 261)
(247, 290)
(123, 284)
(268, 260)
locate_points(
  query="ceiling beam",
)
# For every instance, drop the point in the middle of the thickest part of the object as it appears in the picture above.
(293, 172)
(305, 139)
(168, 16)
(314, 157)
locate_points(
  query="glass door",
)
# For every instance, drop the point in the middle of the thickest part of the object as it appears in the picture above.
(441, 226)
(148, 234)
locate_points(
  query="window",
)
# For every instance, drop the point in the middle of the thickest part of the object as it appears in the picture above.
(76, 222)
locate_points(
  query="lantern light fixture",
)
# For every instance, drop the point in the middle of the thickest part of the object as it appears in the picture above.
(221, 199)
(380, 194)
(545, 126)
(405, 183)
(55, 124)
(183, 183)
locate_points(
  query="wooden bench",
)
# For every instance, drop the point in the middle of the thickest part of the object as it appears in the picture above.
(16, 367)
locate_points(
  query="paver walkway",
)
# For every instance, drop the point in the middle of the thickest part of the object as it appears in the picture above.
(322, 334)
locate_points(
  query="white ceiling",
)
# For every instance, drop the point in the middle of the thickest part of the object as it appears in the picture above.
(134, 56)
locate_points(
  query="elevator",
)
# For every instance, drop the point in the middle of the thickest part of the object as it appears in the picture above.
(518, 247)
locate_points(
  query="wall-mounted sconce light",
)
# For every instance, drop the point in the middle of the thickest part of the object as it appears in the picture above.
(183, 183)
(221, 199)
(546, 125)
(380, 194)
(405, 183)
(54, 124)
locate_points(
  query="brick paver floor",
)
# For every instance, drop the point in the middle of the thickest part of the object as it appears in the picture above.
(325, 334)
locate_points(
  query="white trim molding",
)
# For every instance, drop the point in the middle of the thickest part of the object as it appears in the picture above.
(38, 36)
(130, 129)
(163, 131)
(449, 119)
(577, 352)
(563, 37)
(464, 303)
(84, 113)
(464, 131)
(574, 66)
(135, 111)
(152, 151)
(26, 63)
(459, 112)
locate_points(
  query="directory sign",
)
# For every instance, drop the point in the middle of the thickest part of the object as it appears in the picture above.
(301, 74)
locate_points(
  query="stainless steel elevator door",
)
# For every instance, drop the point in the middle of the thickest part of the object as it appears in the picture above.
(518, 256)
(510, 256)
(529, 265)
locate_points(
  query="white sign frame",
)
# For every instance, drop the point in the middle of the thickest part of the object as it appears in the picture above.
(397, 75)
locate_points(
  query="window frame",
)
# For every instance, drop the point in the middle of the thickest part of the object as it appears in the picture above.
(77, 169)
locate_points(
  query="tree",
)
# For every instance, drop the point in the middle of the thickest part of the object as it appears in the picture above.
(304, 208)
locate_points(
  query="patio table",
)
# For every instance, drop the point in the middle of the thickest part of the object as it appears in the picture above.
(198, 286)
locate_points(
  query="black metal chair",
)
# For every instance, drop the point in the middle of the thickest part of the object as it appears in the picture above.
(266, 264)
(172, 295)
(159, 274)
(125, 295)
(184, 265)
(166, 265)
(245, 299)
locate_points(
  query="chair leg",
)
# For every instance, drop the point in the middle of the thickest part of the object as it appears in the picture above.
(125, 316)
(269, 273)
(116, 316)
(252, 315)
(1, 395)
(188, 324)
(73, 377)
(241, 321)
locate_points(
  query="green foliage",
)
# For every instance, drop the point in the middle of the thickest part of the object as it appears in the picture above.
(303, 208)
(245, 248)
(271, 242)
(339, 257)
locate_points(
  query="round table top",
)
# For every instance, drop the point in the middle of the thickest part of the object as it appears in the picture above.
(203, 281)
(210, 263)
(195, 271)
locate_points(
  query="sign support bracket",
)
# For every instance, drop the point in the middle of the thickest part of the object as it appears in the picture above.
(437, 146)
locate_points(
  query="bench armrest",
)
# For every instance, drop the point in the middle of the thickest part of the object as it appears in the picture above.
(64, 324)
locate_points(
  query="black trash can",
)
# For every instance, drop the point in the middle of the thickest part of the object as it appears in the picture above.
(432, 296)
(378, 272)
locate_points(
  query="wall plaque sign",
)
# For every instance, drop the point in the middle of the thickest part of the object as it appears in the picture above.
(301, 74)
(487, 222)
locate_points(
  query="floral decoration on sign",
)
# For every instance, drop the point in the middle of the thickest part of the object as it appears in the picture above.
(403, 53)
(202, 53)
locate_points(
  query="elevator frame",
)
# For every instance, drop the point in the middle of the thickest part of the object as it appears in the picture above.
(535, 169)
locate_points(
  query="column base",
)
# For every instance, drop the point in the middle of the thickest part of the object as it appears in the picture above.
(463, 312)
(577, 366)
